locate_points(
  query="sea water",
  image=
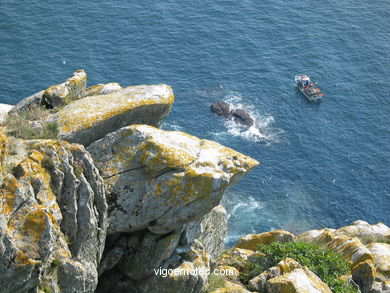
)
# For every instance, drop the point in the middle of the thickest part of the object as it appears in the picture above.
(323, 164)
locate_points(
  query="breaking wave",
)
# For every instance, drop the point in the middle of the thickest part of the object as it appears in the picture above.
(261, 131)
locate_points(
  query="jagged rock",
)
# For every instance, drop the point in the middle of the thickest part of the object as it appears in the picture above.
(211, 231)
(288, 276)
(4, 109)
(364, 274)
(188, 273)
(351, 248)
(231, 287)
(28, 103)
(89, 119)
(148, 255)
(62, 94)
(191, 231)
(365, 232)
(259, 282)
(52, 220)
(300, 280)
(103, 89)
(238, 257)
(252, 241)
(161, 180)
(381, 255)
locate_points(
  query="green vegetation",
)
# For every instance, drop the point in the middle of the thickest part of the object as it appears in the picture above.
(215, 282)
(327, 265)
(31, 124)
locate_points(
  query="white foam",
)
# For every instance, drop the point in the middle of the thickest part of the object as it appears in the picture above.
(261, 130)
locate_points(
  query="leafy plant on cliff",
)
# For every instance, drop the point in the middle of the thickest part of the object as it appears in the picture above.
(31, 124)
(327, 265)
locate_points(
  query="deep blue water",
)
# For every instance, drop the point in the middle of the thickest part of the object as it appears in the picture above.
(322, 164)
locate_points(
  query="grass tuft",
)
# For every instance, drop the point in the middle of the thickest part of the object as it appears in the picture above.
(31, 124)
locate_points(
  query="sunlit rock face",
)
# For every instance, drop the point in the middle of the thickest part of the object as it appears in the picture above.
(160, 180)
(87, 120)
(52, 219)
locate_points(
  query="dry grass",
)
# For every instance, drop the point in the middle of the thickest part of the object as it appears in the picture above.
(31, 124)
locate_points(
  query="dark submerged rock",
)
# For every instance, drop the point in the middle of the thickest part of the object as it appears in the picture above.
(238, 115)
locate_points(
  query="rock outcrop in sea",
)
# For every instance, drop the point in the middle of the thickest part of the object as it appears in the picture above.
(115, 204)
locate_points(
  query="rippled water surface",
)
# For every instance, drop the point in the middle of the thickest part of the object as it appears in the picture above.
(322, 164)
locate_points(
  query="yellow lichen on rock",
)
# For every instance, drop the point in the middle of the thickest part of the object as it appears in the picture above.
(381, 255)
(253, 241)
(300, 280)
(93, 110)
(163, 179)
(238, 258)
(7, 196)
(71, 90)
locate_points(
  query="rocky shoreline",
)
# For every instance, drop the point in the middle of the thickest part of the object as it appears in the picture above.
(110, 198)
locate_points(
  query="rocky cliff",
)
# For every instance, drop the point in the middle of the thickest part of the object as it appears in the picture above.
(111, 198)
(112, 203)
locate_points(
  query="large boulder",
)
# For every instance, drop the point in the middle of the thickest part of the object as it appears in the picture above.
(253, 241)
(160, 180)
(288, 276)
(62, 94)
(89, 119)
(238, 258)
(103, 89)
(300, 280)
(52, 220)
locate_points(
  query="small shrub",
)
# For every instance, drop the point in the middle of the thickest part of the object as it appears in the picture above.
(327, 265)
(22, 125)
(215, 282)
